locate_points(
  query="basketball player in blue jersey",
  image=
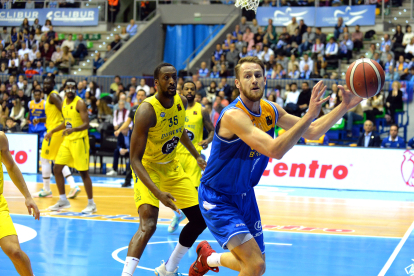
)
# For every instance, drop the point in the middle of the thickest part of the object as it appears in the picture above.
(242, 145)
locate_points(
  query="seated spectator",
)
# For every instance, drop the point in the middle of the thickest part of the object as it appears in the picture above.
(386, 41)
(36, 111)
(81, 91)
(104, 112)
(38, 34)
(402, 66)
(291, 27)
(354, 114)
(215, 57)
(212, 91)
(256, 50)
(120, 114)
(117, 43)
(3, 69)
(114, 86)
(80, 50)
(306, 72)
(397, 38)
(339, 28)
(122, 149)
(200, 89)
(203, 71)
(51, 69)
(377, 58)
(346, 48)
(371, 51)
(33, 52)
(124, 35)
(14, 58)
(393, 141)
(4, 58)
(306, 61)
(384, 57)
(346, 31)
(225, 87)
(265, 54)
(270, 34)
(369, 139)
(47, 52)
(223, 73)
(407, 36)
(304, 98)
(292, 97)
(236, 32)
(293, 61)
(23, 50)
(51, 35)
(142, 85)
(409, 49)
(243, 24)
(302, 27)
(17, 113)
(320, 35)
(132, 95)
(393, 101)
(38, 58)
(278, 72)
(109, 53)
(308, 38)
(294, 73)
(24, 60)
(132, 28)
(317, 49)
(69, 42)
(232, 56)
(296, 40)
(214, 73)
(97, 62)
(331, 50)
(11, 126)
(391, 74)
(47, 25)
(284, 39)
(67, 59)
(133, 83)
(240, 43)
(282, 60)
(227, 42)
(94, 90)
(39, 68)
(272, 61)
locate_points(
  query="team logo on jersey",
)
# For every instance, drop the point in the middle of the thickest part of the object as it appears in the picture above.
(269, 120)
(71, 107)
(179, 107)
(170, 145)
(162, 114)
(195, 113)
(68, 125)
(190, 135)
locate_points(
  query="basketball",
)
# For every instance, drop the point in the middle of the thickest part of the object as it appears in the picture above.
(365, 78)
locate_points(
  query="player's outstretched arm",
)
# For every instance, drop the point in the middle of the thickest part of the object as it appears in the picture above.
(323, 124)
(238, 123)
(208, 124)
(145, 118)
(16, 176)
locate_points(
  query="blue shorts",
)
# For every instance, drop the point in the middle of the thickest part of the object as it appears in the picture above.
(229, 215)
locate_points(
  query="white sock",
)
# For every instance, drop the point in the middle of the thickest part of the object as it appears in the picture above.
(130, 265)
(69, 178)
(176, 257)
(214, 260)
(46, 184)
(90, 201)
(62, 197)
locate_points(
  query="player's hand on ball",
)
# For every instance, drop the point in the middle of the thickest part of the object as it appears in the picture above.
(201, 163)
(48, 136)
(349, 99)
(203, 144)
(67, 131)
(316, 102)
(30, 204)
(168, 200)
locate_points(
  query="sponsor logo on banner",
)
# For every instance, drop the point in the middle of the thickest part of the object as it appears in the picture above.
(407, 168)
(283, 16)
(24, 149)
(354, 15)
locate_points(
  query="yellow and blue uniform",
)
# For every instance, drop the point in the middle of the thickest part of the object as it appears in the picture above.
(6, 223)
(226, 195)
(160, 160)
(53, 119)
(194, 126)
(37, 111)
(74, 151)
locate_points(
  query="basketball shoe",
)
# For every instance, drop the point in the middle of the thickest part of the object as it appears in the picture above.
(74, 192)
(43, 193)
(61, 204)
(200, 266)
(162, 271)
(175, 222)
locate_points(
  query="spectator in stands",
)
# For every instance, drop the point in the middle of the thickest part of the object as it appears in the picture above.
(293, 61)
(225, 87)
(94, 90)
(11, 126)
(5, 36)
(397, 38)
(38, 35)
(253, 27)
(346, 48)
(308, 38)
(13, 69)
(35, 25)
(31, 41)
(339, 27)
(14, 58)
(200, 89)
(243, 24)
(402, 66)
(374, 107)
(384, 56)
(407, 36)
(38, 57)
(346, 31)
(51, 69)
(320, 35)
(227, 42)
(371, 51)
(114, 86)
(51, 34)
(393, 101)
(214, 73)
(23, 50)
(296, 40)
(109, 53)
(255, 51)
(306, 61)
(132, 94)
(81, 91)
(278, 72)
(354, 114)
(203, 71)
(393, 141)
(294, 73)
(97, 62)
(331, 50)
(265, 54)
(240, 43)
(113, 9)
(3, 69)
(284, 40)
(377, 58)
(124, 35)
(39, 68)
(318, 49)
(223, 73)
(80, 50)
(215, 57)
(67, 59)
(306, 72)
(120, 114)
(243, 53)
(292, 97)
(47, 52)
(236, 32)
(3, 57)
(104, 111)
(302, 27)
(69, 42)
(17, 112)
(212, 91)
(47, 25)
(122, 149)
(292, 26)
(369, 139)
(24, 61)
(14, 38)
(304, 98)
(33, 52)
(409, 49)
(117, 43)
(133, 83)
(270, 36)
(386, 41)
(142, 85)
(132, 28)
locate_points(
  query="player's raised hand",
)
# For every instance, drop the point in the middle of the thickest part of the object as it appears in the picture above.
(30, 204)
(201, 163)
(349, 99)
(316, 102)
(168, 200)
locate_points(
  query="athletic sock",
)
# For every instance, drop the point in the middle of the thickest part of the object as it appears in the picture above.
(130, 265)
(46, 184)
(176, 257)
(90, 201)
(63, 197)
(214, 260)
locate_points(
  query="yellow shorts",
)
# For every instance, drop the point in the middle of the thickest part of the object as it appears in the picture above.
(6, 223)
(190, 167)
(74, 154)
(169, 178)
(50, 148)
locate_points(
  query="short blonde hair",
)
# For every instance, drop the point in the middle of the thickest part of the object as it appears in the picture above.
(248, 60)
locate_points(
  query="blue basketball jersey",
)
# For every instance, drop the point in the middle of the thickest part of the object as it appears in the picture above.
(233, 167)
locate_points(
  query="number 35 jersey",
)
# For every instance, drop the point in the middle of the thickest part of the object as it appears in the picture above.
(164, 137)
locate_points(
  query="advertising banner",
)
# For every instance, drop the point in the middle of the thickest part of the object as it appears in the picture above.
(24, 149)
(363, 15)
(59, 17)
(352, 15)
(341, 168)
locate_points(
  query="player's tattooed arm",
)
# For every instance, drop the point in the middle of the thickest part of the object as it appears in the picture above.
(208, 124)
(146, 118)
(16, 176)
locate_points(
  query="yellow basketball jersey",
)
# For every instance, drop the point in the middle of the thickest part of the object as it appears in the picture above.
(164, 137)
(1, 176)
(194, 126)
(73, 119)
(53, 115)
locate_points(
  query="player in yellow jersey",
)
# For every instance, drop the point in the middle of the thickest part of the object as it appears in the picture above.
(74, 151)
(196, 118)
(53, 110)
(8, 236)
(158, 175)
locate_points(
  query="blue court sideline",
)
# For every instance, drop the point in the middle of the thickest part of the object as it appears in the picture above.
(80, 247)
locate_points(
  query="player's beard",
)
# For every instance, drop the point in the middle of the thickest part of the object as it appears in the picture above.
(190, 99)
(253, 96)
(70, 95)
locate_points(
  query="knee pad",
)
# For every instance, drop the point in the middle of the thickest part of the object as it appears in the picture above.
(46, 168)
(66, 171)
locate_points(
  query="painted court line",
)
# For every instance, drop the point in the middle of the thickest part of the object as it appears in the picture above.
(396, 251)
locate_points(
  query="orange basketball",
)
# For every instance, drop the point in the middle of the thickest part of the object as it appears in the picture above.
(365, 78)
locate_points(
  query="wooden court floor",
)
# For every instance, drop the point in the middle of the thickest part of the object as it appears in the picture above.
(366, 217)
